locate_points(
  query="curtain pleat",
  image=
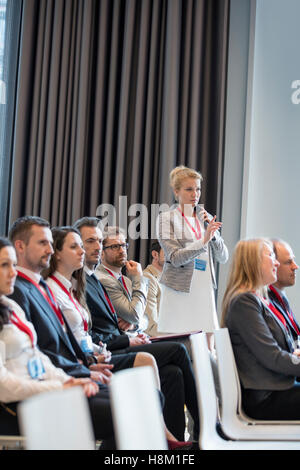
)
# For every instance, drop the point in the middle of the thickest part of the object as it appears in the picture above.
(112, 95)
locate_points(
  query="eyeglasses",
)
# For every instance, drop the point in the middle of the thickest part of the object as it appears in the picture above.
(116, 247)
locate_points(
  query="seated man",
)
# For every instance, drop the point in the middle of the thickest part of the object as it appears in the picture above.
(175, 369)
(127, 293)
(286, 277)
(152, 272)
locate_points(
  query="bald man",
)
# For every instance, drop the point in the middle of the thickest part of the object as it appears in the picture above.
(286, 277)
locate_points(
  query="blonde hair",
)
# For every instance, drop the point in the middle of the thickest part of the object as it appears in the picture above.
(180, 173)
(245, 273)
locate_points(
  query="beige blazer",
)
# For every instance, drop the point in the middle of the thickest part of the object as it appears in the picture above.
(181, 250)
(153, 299)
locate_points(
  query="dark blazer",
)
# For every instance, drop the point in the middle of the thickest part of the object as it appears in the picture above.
(261, 344)
(62, 348)
(279, 307)
(104, 322)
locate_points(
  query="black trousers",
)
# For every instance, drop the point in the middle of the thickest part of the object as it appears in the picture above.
(272, 405)
(122, 361)
(177, 383)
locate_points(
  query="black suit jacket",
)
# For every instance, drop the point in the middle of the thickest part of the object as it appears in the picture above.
(279, 307)
(62, 348)
(104, 322)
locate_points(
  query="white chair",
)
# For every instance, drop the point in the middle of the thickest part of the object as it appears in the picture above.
(58, 420)
(209, 438)
(137, 414)
(235, 423)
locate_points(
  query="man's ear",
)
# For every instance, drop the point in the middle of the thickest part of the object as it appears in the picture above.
(19, 246)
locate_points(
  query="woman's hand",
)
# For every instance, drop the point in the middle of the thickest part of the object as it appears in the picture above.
(211, 229)
(101, 372)
(90, 387)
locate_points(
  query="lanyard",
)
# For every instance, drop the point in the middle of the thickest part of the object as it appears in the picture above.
(122, 280)
(275, 312)
(23, 327)
(112, 309)
(50, 301)
(197, 232)
(281, 301)
(76, 305)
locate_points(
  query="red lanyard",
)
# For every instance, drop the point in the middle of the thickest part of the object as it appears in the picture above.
(23, 327)
(275, 312)
(60, 284)
(122, 280)
(198, 232)
(50, 301)
(112, 309)
(281, 301)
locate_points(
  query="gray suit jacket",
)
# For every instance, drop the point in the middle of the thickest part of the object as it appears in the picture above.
(130, 307)
(261, 345)
(180, 251)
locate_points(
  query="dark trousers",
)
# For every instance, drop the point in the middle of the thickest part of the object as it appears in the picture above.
(274, 405)
(177, 384)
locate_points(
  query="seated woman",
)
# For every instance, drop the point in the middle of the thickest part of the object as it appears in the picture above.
(267, 360)
(22, 365)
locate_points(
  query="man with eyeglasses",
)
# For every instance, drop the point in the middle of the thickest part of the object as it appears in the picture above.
(127, 293)
(173, 361)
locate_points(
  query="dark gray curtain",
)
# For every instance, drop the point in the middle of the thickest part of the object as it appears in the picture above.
(112, 95)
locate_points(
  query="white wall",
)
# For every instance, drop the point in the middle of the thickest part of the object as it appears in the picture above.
(271, 188)
(262, 148)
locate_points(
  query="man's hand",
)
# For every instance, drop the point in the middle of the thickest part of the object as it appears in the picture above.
(140, 339)
(133, 269)
(124, 325)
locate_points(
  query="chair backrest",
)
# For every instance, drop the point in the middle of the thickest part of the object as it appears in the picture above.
(57, 420)
(206, 392)
(137, 413)
(228, 375)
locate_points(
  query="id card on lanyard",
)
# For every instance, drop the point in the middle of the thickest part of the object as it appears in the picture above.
(200, 264)
(35, 365)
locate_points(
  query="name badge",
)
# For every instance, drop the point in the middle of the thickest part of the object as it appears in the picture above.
(87, 344)
(200, 264)
(35, 368)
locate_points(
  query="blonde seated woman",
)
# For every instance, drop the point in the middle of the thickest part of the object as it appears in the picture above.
(267, 360)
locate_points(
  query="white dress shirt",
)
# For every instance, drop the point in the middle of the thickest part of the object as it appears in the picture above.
(73, 311)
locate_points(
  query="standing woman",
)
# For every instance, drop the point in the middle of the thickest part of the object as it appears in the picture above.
(191, 242)
(267, 360)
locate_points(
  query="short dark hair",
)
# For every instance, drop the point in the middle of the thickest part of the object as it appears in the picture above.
(87, 222)
(21, 228)
(155, 246)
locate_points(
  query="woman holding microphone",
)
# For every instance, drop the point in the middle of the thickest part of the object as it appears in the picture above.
(191, 242)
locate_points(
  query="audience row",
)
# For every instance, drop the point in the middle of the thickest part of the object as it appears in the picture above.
(69, 316)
